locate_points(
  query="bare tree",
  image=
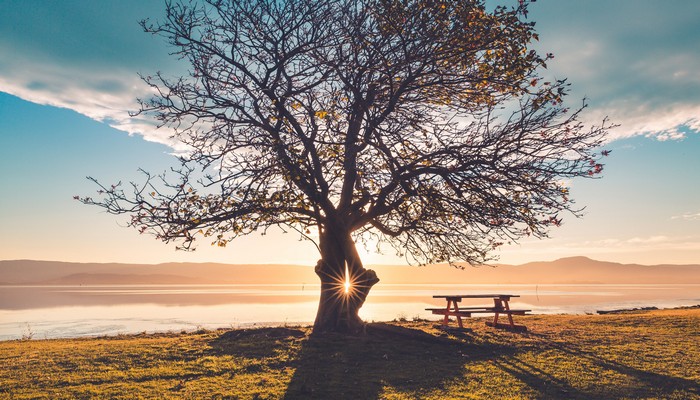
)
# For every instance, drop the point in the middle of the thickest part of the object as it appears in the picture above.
(421, 124)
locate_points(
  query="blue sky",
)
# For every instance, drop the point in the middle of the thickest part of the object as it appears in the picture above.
(68, 76)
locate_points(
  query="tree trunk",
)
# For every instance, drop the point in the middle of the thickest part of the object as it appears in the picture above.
(342, 295)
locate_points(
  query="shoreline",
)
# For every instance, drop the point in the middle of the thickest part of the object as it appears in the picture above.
(30, 336)
(96, 311)
(649, 308)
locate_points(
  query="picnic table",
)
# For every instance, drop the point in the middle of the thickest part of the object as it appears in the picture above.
(500, 306)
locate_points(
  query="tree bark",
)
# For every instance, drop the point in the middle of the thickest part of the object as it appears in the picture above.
(339, 305)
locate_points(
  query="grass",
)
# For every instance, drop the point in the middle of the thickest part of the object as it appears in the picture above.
(642, 355)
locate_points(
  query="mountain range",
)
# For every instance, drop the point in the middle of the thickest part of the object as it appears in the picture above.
(572, 270)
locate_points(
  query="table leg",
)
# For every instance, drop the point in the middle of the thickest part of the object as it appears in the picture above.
(510, 316)
(446, 319)
(502, 306)
(459, 317)
(497, 305)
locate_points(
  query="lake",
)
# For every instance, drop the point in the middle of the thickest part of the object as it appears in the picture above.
(45, 312)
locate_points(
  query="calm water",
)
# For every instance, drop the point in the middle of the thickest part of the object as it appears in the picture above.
(74, 311)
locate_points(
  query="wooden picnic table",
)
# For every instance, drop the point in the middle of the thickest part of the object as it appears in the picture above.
(500, 306)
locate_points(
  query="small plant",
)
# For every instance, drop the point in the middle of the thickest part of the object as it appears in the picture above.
(200, 330)
(28, 332)
(401, 318)
(417, 318)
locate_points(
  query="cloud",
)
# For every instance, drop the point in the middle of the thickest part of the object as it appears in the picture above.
(635, 62)
(647, 240)
(105, 95)
(617, 243)
(673, 121)
(655, 248)
(688, 217)
(84, 56)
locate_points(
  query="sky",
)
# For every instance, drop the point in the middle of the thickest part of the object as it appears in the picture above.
(69, 75)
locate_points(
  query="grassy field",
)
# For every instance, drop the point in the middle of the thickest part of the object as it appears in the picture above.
(637, 355)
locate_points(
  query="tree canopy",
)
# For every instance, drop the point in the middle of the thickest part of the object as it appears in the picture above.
(425, 125)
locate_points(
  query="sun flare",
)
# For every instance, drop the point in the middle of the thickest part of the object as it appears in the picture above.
(347, 280)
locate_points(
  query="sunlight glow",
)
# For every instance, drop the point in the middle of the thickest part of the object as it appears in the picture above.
(347, 280)
(346, 287)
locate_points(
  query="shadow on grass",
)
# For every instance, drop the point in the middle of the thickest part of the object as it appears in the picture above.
(257, 342)
(333, 366)
(390, 357)
(639, 383)
(401, 360)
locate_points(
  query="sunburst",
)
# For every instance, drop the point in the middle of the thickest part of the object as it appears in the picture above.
(346, 287)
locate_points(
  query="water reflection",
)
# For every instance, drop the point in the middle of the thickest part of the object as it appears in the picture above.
(73, 311)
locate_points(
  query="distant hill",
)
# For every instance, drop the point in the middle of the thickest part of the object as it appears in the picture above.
(573, 270)
(121, 279)
(68, 273)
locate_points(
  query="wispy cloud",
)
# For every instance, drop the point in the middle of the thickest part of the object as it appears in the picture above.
(673, 121)
(688, 217)
(635, 242)
(105, 95)
(682, 249)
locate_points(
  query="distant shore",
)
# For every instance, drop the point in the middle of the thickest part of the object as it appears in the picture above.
(650, 308)
(571, 270)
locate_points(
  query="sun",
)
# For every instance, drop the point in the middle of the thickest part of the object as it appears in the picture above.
(346, 286)
(347, 280)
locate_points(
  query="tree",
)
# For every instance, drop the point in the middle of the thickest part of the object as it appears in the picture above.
(424, 125)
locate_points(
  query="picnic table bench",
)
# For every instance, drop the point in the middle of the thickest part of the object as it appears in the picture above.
(500, 306)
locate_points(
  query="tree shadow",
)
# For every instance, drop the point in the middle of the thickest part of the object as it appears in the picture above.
(640, 383)
(404, 359)
(544, 384)
(398, 359)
